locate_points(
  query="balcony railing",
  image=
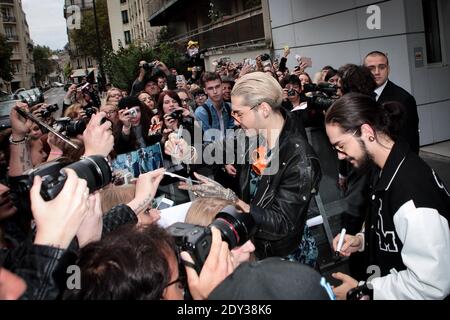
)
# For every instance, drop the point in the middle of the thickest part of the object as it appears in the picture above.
(7, 2)
(8, 19)
(157, 5)
(16, 56)
(12, 38)
(246, 27)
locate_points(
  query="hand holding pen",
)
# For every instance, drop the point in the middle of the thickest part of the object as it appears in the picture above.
(344, 244)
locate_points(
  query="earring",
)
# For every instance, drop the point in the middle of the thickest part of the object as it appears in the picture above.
(371, 139)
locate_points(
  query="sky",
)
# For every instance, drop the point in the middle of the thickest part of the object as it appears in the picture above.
(46, 22)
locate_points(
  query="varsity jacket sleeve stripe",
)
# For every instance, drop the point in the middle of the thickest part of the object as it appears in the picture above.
(425, 235)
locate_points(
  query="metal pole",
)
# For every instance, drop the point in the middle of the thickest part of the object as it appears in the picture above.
(99, 48)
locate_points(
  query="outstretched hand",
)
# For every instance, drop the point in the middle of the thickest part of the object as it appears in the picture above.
(209, 189)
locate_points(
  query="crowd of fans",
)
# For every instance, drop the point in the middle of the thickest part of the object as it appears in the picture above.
(111, 234)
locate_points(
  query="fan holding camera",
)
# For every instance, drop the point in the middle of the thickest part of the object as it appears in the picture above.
(147, 79)
(132, 131)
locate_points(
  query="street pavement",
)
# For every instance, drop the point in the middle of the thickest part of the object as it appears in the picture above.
(55, 95)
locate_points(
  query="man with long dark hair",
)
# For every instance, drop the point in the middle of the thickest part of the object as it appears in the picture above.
(406, 233)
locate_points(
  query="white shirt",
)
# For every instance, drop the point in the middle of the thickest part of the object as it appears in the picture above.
(378, 91)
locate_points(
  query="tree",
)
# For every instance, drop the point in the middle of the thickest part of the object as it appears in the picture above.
(122, 66)
(6, 69)
(67, 70)
(42, 64)
(85, 38)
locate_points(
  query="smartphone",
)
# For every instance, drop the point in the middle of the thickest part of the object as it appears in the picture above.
(307, 61)
(82, 87)
(181, 78)
(164, 204)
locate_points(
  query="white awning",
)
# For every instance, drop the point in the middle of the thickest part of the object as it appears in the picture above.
(82, 72)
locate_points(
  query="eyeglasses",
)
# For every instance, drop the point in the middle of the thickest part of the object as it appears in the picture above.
(238, 117)
(110, 113)
(181, 280)
(340, 148)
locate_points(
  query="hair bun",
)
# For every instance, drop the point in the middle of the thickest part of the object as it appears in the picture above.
(394, 117)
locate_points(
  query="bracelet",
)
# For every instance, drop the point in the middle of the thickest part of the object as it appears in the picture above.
(16, 142)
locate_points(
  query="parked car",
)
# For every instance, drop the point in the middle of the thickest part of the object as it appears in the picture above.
(31, 96)
(39, 95)
(5, 110)
(25, 97)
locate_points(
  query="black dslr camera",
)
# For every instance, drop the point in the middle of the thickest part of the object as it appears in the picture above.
(94, 169)
(319, 96)
(265, 57)
(47, 112)
(148, 66)
(236, 229)
(72, 128)
(89, 110)
(177, 115)
(291, 93)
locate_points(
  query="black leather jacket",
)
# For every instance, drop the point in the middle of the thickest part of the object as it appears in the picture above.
(44, 268)
(282, 199)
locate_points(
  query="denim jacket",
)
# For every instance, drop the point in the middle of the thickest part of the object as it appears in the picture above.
(202, 115)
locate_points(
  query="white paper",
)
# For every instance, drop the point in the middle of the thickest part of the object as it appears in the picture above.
(174, 214)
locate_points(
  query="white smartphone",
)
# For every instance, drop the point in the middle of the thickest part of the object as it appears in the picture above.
(181, 78)
(164, 204)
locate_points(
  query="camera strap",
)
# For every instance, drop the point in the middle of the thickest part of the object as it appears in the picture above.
(188, 264)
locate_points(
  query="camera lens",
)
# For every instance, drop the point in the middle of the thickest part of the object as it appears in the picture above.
(177, 115)
(74, 128)
(236, 228)
(95, 170)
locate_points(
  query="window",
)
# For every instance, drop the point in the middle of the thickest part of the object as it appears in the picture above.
(16, 68)
(125, 16)
(9, 31)
(127, 37)
(79, 64)
(432, 32)
(123, 1)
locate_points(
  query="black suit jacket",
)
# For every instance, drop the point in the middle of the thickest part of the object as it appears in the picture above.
(410, 128)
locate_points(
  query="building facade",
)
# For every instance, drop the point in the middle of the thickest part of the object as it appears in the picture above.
(232, 29)
(81, 64)
(128, 21)
(13, 24)
(414, 34)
